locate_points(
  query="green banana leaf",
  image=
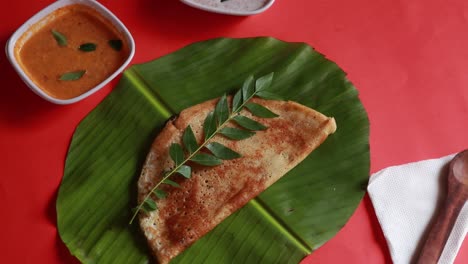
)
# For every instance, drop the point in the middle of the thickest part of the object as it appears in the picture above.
(285, 223)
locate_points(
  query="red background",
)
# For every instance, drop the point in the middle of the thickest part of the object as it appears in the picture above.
(408, 59)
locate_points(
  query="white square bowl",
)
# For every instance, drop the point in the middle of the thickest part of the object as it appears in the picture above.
(10, 47)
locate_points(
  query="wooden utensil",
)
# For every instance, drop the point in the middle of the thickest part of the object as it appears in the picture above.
(457, 195)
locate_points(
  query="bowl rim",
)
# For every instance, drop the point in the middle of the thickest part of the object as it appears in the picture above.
(227, 11)
(11, 43)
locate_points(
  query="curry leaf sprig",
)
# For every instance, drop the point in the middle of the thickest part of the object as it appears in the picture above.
(216, 122)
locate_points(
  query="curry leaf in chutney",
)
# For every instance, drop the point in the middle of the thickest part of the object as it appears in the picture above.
(87, 47)
(60, 38)
(116, 44)
(72, 76)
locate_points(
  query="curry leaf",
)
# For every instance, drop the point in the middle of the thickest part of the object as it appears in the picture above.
(206, 159)
(268, 95)
(115, 44)
(248, 123)
(248, 89)
(209, 126)
(87, 47)
(149, 205)
(72, 76)
(237, 101)
(236, 133)
(185, 171)
(222, 110)
(221, 151)
(260, 111)
(176, 153)
(160, 193)
(171, 183)
(189, 140)
(264, 82)
(60, 38)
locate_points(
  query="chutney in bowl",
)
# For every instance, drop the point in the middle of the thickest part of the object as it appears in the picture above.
(72, 51)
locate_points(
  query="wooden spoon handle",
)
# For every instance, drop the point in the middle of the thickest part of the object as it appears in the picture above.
(440, 231)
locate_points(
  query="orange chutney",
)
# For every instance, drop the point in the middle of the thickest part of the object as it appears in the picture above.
(45, 61)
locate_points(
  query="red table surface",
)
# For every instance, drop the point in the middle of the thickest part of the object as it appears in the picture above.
(408, 59)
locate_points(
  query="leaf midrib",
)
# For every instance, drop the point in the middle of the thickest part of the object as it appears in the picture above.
(149, 92)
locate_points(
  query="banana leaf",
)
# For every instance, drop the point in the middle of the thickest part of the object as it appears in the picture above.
(285, 223)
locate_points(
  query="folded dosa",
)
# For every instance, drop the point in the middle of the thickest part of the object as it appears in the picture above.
(213, 193)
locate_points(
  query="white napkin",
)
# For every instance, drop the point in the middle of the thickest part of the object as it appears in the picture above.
(405, 199)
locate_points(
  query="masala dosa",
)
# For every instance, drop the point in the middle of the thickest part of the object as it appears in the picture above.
(213, 193)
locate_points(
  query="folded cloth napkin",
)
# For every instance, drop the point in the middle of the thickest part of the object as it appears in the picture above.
(405, 199)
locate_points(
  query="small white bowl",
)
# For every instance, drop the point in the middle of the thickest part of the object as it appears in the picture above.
(228, 11)
(10, 47)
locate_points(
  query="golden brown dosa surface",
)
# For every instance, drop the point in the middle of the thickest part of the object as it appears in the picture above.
(213, 193)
